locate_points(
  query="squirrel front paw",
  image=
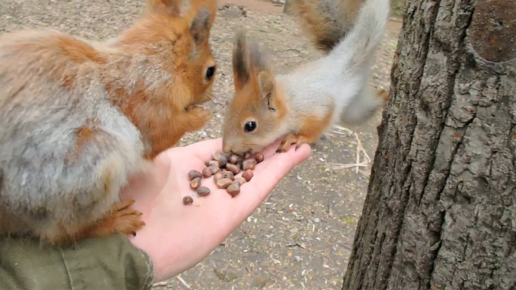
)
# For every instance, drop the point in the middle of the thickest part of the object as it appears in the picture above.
(197, 117)
(291, 139)
(287, 143)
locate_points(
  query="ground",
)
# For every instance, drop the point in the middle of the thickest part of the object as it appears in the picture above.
(301, 237)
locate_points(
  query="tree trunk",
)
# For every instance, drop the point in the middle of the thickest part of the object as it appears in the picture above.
(287, 9)
(440, 211)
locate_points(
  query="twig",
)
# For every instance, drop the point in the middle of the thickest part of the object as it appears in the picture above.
(295, 245)
(342, 129)
(358, 154)
(344, 166)
(362, 149)
(249, 271)
(274, 260)
(183, 282)
(290, 49)
(339, 130)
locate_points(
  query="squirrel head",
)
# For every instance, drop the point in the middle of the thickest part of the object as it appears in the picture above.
(178, 44)
(256, 112)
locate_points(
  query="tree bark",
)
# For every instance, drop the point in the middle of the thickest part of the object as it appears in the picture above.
(440, 211)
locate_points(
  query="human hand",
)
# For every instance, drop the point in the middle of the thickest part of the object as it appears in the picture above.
(177, 237)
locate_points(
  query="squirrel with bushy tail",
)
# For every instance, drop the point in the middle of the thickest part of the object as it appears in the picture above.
(79, 117)
(301, 105)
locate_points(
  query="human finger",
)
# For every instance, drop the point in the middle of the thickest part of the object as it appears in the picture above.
(267, 176)
(204, 149)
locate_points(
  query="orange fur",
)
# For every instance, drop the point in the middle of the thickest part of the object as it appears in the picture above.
(257, 98)
(163, 109)
(311, 129)
(384, 94)
(163, 125)
(314, 14)
(86, 133)
(248, 101)
(162, 117)
(120, 219)
(89, 133)
(211, 5)
(62, 55)
(170, 7)
(249, 96)
(260, 99)
(260, 111)
(78, 51)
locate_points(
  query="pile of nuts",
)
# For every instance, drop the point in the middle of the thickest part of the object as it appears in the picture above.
(223, 167)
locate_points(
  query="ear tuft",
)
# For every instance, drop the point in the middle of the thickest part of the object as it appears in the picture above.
(240, 63)
(200, 26)
(170, 7)
(247, 59)
(266, 82)
(211, 5)
(258, 59)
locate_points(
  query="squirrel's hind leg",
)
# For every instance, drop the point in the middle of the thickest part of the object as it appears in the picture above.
(121, 219)
(364, 105)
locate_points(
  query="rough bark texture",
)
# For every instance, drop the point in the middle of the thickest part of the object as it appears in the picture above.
(440, 211)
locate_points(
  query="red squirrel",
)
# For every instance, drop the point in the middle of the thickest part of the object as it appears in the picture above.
(78, 117)
(301, 105)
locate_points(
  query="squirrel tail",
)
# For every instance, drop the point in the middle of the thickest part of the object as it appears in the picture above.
(326, 21)
(349, 29)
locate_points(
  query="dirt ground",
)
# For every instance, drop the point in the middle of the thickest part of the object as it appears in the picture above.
(301, 237)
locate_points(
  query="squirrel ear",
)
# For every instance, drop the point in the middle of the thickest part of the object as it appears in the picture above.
(266, 82)
(240, 61)
(210, 5)
(200, 26)
(170, 7)
(247, 59)
(202, 22)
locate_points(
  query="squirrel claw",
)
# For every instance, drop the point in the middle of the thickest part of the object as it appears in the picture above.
(287, 142)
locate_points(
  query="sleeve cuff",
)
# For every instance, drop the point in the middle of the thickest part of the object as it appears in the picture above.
(98, 263)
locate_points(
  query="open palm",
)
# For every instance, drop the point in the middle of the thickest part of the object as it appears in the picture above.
(177, 237)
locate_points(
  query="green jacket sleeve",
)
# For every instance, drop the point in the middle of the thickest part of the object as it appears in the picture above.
(96, 264)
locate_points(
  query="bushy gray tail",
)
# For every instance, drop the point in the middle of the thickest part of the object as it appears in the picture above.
(349, 29)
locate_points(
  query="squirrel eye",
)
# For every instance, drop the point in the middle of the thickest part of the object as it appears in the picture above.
(210, 72)
(250, 126)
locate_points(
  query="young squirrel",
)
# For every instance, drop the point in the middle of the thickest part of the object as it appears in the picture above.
(79, 117)
(301, 105)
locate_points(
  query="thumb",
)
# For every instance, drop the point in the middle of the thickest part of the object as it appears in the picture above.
(266, 176)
